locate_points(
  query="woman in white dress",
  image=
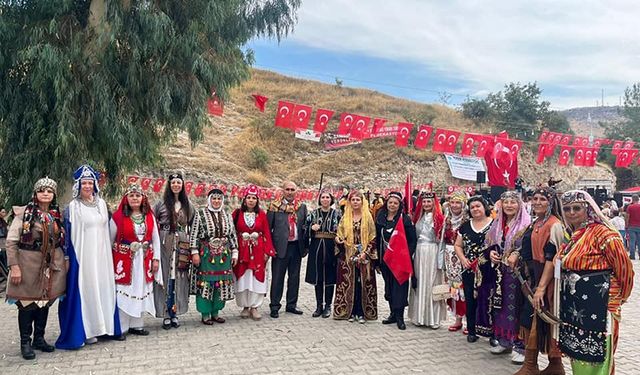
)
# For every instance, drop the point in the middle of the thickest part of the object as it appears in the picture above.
(428, 264)
(89, 308)
(136, 258)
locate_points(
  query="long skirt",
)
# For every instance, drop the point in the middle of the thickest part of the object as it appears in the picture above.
(423, 310)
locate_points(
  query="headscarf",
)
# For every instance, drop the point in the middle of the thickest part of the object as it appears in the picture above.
(554, 208)
(85, 172)
(123, 208)
(381, 216)
(458, 196)
(218, 193)
(521, 220)
(438, 216)
(367, 227)
(594, 214)
(32, 211)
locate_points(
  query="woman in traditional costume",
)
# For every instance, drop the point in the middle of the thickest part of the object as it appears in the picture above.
(356, 293)
(322, 226)
(37, 267)
(395, 293)
(469, 246)
(89, 310)
(540, 243)
(597, 278)
(136, 259)
(214, 250)
(254, 249)
(456, 214)
(428, 263)
(506, 298)
(174, 214)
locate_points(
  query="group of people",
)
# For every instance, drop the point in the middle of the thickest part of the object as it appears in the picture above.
(552, 281)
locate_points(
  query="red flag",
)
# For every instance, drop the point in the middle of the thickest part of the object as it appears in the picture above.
(144, 184)
(157, 186)
(514, 146)
(597, 143)
(468, 142)
(628, 145)
(346, 122)
(445, 140)
(502, 165)
(260, 101)
(214, 106)
(187, 187)
(132, 179)
(542, 153)
(543, 136)
(422, 138)
(200, 189)
(565, 154)
(590, 157)
(378, 124)
(323, 116)
(484, 145)
(452, 141)
(578, 156)
(360, 128)
(625, 157)
(617, 145)
(301, 116)
(408, 200)
(397, 255)
(565, 140)
(581, 141)
(284, 116)
(402, 138)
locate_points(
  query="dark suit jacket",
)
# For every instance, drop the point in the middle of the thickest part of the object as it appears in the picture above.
(279, 225)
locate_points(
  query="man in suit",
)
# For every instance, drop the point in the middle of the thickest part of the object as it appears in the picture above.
(286, 220)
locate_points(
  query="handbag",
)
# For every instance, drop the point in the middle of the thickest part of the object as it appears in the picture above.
(441, 292)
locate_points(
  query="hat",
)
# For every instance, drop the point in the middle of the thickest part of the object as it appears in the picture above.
(45, 182)
(250, 189)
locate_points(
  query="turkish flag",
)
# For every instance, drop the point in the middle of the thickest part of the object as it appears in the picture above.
(565, 154)
(552, 140)
(484, 145)
(187, 187)
(617, 145)
(200, 189)
(468, 142)
(625, 157)
(579, 156)
(260, 101)
(144, 184)
(132, 179)
(590, 157)
(157, 186)
(628, 145)
(378, 124)
(422, 138)
(514, 146)
(542, 153)
(597, 143)
(502, 165)
(397, 255)
(565, 139)
(323, 116)
(402, 138)
(284, 116)
(360, 128)
(452, 141)
(581, 141)
(543, 136)
(346, 122)
(301, 116)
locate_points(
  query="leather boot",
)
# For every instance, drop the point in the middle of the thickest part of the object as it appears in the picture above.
(25, 324)
(555, 367)
(40, 324)
(530, 365)
(318, 311)
(390, 319)
(327, 311)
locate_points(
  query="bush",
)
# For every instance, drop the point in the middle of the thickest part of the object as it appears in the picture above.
(258, 158)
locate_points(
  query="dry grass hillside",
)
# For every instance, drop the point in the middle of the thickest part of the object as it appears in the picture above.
(244, 146)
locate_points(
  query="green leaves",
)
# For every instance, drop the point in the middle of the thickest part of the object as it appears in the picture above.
(115, 88)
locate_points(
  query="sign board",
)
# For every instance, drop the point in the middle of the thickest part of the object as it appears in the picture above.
(464, 167)
(308, 135)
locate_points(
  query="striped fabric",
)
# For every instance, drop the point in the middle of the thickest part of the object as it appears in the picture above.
(595, 248)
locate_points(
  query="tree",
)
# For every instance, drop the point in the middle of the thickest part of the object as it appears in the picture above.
(111, 82)
(477, 110)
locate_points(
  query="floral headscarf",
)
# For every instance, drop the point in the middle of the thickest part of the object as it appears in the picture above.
(594, 215)
(520, 221)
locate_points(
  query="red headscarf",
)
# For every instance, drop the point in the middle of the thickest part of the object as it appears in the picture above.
(438, 216)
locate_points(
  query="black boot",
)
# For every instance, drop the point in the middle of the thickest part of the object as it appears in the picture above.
(390, 319)
(39, 343)
(328, 298)
(318, 311)
(319, 295)
(399, 315)
(25, 324)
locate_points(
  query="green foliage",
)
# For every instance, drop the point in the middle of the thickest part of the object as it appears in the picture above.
(114, 81)
(258, 158)
(557, 122)
(478, 111)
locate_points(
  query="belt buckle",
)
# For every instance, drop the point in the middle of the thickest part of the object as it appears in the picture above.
(135, 246)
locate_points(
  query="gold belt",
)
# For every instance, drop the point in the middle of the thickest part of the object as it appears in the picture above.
(325, 235)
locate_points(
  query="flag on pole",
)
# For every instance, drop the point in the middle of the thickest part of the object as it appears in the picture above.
(397, 255)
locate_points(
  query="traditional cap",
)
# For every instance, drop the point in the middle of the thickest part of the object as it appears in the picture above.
(45, 182)
(395, 194)
(250, 189)
(510, 194)
(574, 196)
(85, 172)
(215, 192)
(428, 194)
(458, 195)
(546, 191)
(134, 188)
(173, 176)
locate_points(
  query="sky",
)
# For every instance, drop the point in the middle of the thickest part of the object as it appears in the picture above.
(437, 51)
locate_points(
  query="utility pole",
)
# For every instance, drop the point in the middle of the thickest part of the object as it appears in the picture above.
(602, 101)
(590, 128)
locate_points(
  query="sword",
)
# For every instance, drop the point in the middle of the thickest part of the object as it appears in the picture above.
(544, 313)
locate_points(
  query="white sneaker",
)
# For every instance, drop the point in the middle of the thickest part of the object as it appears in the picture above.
(499, 349)
(517, 358)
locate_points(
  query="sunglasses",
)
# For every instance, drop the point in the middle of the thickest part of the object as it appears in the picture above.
(568, 209)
